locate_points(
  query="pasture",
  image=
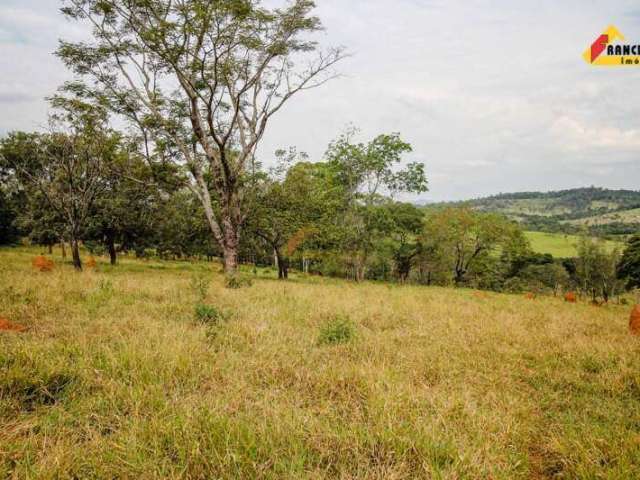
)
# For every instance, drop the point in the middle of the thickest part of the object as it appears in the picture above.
(116, 377)
(560, 245)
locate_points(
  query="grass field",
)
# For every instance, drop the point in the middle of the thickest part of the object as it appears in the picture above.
(309, 379)
(559, 245)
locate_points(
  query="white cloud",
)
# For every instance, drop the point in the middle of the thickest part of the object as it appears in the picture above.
(575, 135)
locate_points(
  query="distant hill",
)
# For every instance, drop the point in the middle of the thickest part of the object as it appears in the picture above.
(598, 210)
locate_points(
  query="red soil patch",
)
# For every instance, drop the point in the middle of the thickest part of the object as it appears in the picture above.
(634, 321)
(91, 262)
(42, 264)
(7, 326)
(571, 297)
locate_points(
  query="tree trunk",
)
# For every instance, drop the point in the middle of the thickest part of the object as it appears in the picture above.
(75, 252)
(63, 246)
(111, 247)
(283, 265)
(230, 247)
(230, 244)
(50, 249)
(230, 260)
(361, 271)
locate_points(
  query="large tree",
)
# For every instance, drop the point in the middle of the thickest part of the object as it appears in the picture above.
(201, 79)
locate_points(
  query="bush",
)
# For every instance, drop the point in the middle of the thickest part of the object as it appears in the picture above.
(237, 281)
(210, 315)
(339, 329)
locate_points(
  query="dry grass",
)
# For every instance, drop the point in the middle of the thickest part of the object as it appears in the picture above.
(116, 379)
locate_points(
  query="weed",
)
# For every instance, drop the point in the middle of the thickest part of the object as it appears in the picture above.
(238, 281)
(208, 314)
(200, 286)
(339, 329)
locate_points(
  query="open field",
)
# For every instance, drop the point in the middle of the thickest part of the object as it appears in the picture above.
(116, 379)
(560, 245)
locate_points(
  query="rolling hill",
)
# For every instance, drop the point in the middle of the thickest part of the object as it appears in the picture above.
(599, 211)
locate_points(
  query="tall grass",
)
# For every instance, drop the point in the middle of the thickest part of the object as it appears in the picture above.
(115, 379)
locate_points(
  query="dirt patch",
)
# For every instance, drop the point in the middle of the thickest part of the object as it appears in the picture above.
(7, 326)
(634, 321)
(42, 264)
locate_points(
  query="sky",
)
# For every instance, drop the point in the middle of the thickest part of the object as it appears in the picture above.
(494, 96)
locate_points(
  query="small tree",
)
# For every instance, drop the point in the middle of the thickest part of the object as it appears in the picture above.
(596, 269)
(629, 267)
(467, 237)
(287, 202)
(65, 166)
(12, 201)
(123, 215)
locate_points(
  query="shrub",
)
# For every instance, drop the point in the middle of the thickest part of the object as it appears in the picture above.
(338, 329)
(200, 286)
(208, 314)
(237, 281)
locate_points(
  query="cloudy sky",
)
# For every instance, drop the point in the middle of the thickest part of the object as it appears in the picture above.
(493, 95)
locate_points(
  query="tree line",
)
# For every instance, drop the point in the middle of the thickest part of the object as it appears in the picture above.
(194, 86)
(333, 217)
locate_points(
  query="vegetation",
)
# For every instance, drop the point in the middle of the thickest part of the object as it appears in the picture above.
(314, 348)
(629, 265)
(114, 379)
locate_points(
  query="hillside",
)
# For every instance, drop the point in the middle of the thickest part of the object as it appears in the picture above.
(307, 379)
(600, 211)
